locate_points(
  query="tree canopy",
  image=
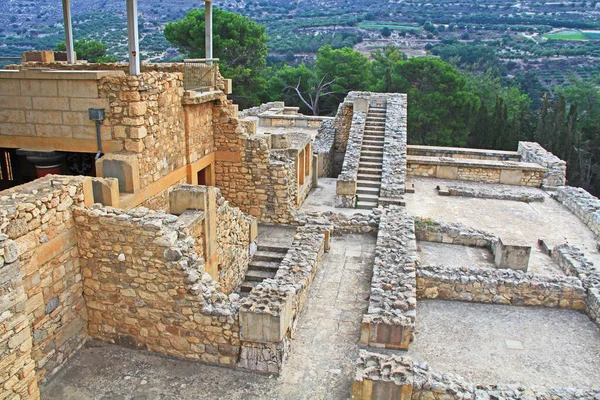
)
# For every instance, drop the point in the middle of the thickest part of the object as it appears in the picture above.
(90, 50)
(238, 42)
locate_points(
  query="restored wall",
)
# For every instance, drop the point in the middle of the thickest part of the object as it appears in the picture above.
(158, 297)
(460, 152)
(557, 168)
(51, 105)
(342, 124)
(199, 122)
(45, 308)
(394, 150)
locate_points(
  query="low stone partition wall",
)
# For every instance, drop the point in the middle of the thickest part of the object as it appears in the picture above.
(499, 286)
(573, 262)
(391, 377)
(289, 117)
(342, 223)
(498, 194)
(270, 313)
(346, 181)
(505, 172)
(255, 111)
(585, 206)
(556, 168)
(461, 152)
(390, 318)
(393, 173)
(145, 286)
(430, 230)
(323, 148)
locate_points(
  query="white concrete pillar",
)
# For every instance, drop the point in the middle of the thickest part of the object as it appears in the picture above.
(66, 4)
(208, 28)
(133, 37)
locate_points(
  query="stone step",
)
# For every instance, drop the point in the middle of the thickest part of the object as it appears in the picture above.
(247, 286)
(369, 177)
(372, 143)
(273, 248)
(366, 205)
(368, 197)
(262, 265)
(374, 124)
(374, 138)
(370, 164)
(370, 171)
(371, 153)
(372, 147)
(265, 255)
(258, 275)
(368, 184)
(367, 190)
(374, 133)
(367, 158)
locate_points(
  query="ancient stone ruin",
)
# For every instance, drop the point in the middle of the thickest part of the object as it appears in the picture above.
(225, 238)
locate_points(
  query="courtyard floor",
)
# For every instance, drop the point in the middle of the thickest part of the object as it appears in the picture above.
(319, 366)
(496, 344)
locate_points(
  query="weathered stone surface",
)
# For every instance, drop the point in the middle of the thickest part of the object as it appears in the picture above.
(557, 168)
(585, 206)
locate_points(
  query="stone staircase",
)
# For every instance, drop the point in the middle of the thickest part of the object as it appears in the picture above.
(263, 265)
(371, 158)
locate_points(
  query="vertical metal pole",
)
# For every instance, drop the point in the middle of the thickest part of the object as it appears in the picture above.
(208, 29)
(66, 4)
(133, 37)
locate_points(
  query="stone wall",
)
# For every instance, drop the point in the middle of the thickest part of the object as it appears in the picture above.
(460, 152)
(342, 223)
(145, 287)
(499, 286)
(505, 172)
(146, 114)
(254, 111)
(556, 168)
(51, 104)
(42, 308)
(430, 230)
(491, 193)
(585, 206)
(342, 124)
(199, 135)
(289, 117)
(346, 180)
(324, 149)
(260, 182)
(390, 319)
(270, 313)
(394, 150)
(233, 241)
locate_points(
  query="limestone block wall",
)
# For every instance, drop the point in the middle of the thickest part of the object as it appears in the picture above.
(585, 206)
(233, 241)
(487, 193)
(506, 172)
(42, 285)
(146, 114)
(556, 168)
(259, 181)
(48, 107)
(255, 111)
(145, 287)
(390, 318)
(499, 286)
(199, 137)
(460, 152)
(270, 313)
(342, 223)
(289, 117)
(394, 150)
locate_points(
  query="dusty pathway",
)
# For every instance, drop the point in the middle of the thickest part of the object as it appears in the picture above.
(319, 367)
